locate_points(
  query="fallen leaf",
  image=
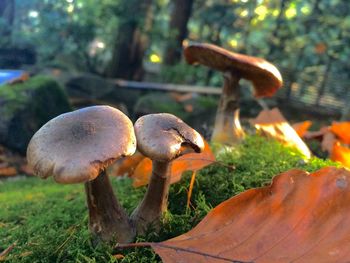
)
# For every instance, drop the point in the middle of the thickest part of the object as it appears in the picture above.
(302, 127)
(25, 168)
(7, 251)
(342, 131)
(142, 173)
(126, 165)
(300, 217)
(271, 123)
(118, 256)
(341, 154)
(188, 107)
(320, 48)
(180, 97)
(7, 171)
(186, 162)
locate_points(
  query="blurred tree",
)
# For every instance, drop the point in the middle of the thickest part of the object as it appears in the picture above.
(181, 13)
(7, 14)
(135, 20)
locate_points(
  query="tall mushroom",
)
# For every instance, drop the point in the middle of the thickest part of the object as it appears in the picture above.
(264, 76)
(161, 137)
(76, 147)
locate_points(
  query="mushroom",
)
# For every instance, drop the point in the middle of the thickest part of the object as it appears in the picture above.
(161, 137)
(77, 147)
(265, 77)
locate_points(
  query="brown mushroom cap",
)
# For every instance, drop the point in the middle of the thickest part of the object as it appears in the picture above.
(160, 136)
(265, 77)
(74, 147)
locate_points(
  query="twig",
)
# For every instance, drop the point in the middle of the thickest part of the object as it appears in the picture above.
(189, 193)
(66, 241)
(4, 253)
(133, 245)
(231, 167)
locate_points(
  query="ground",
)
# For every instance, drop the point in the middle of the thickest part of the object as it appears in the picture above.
(48, 222)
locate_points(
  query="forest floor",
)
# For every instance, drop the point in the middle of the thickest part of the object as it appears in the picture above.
(47, 222)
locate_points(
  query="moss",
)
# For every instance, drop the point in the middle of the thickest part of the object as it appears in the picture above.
(49, 221)
(16, 96)
(25, 107)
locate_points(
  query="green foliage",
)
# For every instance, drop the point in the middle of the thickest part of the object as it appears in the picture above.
(48, 222)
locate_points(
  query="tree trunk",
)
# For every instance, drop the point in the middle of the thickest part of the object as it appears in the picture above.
(180, 15)
(132, 40)
(7, 14)
(323, 85)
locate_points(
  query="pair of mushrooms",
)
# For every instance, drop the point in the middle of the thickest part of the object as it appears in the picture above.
(77, 147)
(265, 77)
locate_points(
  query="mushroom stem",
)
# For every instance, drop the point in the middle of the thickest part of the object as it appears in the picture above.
(155, 201)
(108, 220)
(227, 128)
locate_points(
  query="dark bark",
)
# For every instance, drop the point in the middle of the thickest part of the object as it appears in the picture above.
(107, 219)
(227, 127)
(132, 41)
(155, 202)
(294, 73)
(180, 15)
(323, 85)
(7, 14)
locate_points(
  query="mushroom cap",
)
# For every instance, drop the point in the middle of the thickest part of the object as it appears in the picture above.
(74, 147)
(265, 77)
(160, 136)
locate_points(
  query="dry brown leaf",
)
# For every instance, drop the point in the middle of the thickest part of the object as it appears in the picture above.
(118, 256)
(8, 171)
(320, 48)
(302, 127)
(186, 162)
(342, 131)
(142, 173)
(272, 124)
(11, 163)
(181, 97)
(340, 154)
(188, 107)
(301, 217)
(26, 169)
(7, 251)
(126, 165)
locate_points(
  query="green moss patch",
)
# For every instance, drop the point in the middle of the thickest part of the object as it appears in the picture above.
(25, 107)
(48, 221)
(17, 96)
